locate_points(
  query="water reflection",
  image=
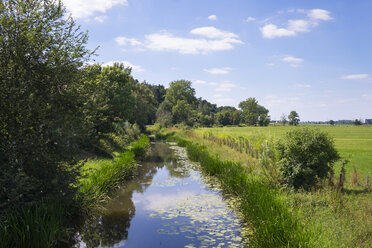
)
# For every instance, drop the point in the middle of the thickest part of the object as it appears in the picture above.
(169, 204)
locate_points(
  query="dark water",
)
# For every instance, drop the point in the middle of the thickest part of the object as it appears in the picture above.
(169, 204)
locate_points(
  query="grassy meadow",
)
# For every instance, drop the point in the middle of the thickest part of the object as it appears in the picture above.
(331, 218)
(353, 142)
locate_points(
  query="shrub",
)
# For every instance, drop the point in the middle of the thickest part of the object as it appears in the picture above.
(305, 156)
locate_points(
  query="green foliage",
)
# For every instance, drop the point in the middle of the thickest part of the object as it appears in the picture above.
(99, 177)
(140, 146)
(41, 51)
(107, 95)
(145, 105)
(182, 112)
(33, 227)
(180, 90)
(253, 113)
(293, 118)
(358, 122)
(305, 156)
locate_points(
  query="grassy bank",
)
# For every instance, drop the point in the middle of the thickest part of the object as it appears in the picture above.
(44, 225)
(274, 225)
(330, 218)
(100, 176)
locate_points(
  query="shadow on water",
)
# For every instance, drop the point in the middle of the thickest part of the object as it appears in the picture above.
(166, 205)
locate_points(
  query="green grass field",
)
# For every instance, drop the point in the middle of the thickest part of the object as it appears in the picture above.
(353, 142)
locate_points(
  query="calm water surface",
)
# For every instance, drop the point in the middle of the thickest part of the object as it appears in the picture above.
(169, 204)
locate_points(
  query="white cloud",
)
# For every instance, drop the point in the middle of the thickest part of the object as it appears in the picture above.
(355, 77)
(217, 95)
(224, 101)
(123, 41)
(293, 61)
(100, 18)
(270, 64)
(250, 19)
(135, 68)
(87, 8)
(293, 27)
(320, 14)
(303, 85)
(218, 40)
(213, 33)
(205, 82)
(225, 87)
(271, 31)
(224, 70)
(168, 42)
(275, 101)
(368, 96)
(212, 17)
(299, 25)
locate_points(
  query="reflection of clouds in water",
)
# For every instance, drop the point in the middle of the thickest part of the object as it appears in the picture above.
(210, 223)
(155, 202)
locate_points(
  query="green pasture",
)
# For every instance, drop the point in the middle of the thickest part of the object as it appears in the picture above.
(353, 142)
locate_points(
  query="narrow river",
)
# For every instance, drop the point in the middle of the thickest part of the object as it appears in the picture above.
(169, 204)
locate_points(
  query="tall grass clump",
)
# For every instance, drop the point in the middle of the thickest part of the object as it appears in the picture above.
(39, 226)
(101, 176)
(274, 225)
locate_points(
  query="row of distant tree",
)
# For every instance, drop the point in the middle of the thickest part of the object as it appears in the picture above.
(181, 106)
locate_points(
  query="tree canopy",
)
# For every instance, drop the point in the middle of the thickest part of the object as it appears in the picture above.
(253, 113)
(293, 118)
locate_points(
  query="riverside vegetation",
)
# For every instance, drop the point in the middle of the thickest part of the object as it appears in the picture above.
(324, 215)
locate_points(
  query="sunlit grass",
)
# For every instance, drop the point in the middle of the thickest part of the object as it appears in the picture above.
(335, 219)
(353, 142)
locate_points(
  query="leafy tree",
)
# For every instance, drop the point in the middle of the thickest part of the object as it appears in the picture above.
(180, 90)
(237, 117)
(293, 118)
(332, 122)
(252, 111)
(158, 92)
(182, 112)
(145, 105)
(41, 123)
(164, 118)
(205, 107)
(305, 156)
(108, 95)
(225, 117)
(179, 97)
(263, 120)
(358, 122)
(205, 120)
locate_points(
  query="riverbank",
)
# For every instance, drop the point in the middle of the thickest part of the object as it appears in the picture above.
(50, 223)
(171, 202)
(324, 217)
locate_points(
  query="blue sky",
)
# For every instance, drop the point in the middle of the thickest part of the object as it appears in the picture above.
(314, 56)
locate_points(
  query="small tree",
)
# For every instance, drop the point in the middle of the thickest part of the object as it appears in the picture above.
(305, 156)
(293, 118)
(283, 119)
(332, 122)
(357, 122)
